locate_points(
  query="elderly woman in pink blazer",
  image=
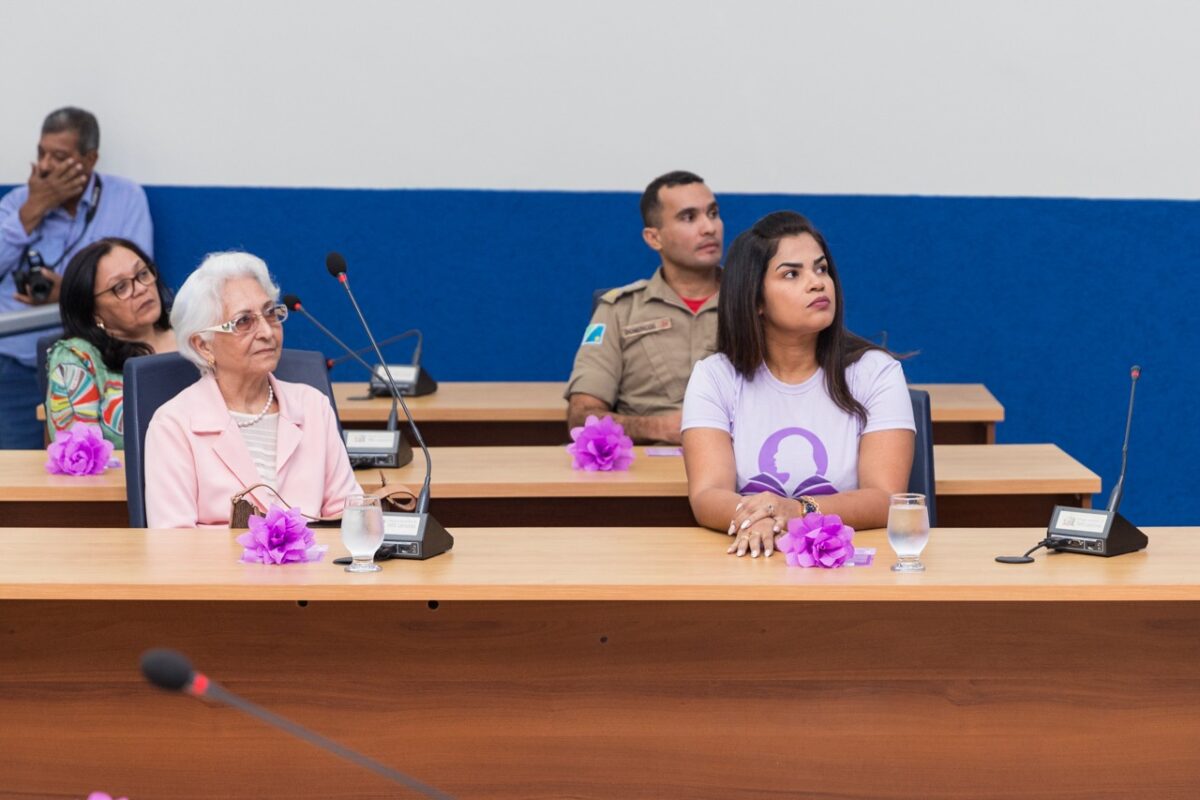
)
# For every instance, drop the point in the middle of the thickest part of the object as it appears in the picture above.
(238, 425)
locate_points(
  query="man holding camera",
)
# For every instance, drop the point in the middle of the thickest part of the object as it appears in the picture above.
(65, 206)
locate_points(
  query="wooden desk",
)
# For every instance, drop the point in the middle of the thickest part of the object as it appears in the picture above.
(978, 485)
(475, 414)
(466, 414)
(963, 413)
(635, 663)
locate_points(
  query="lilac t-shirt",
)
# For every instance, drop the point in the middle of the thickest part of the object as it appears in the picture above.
(792, 439)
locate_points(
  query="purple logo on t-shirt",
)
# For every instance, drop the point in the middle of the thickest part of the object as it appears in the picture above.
(791, 452)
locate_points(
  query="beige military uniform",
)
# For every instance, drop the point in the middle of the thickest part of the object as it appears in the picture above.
(638, 351)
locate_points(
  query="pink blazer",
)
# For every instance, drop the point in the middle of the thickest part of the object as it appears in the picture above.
(196, 459)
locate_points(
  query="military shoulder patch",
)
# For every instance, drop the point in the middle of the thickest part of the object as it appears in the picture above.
(613, 295)
(594, 333)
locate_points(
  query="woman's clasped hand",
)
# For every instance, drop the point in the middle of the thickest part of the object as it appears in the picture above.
(757, 520)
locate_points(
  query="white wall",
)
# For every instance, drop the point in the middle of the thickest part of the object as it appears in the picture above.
(1021, 97)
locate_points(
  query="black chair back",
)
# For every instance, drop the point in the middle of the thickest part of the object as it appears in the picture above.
(921, 479)
(44, 343)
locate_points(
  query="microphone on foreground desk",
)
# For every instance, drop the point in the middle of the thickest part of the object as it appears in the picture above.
(1091, 531)
(170, 670)
(413, 534)
(366, 448)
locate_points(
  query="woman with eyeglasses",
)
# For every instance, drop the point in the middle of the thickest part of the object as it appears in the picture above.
(113, 308)
(239, 426)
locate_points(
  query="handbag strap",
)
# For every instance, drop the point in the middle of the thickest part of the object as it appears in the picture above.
(237, 498)
(399, 497)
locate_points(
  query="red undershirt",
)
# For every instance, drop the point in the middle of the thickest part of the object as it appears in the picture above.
(694, 305)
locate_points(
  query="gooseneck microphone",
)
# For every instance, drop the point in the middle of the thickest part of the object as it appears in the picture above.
(366, 448)
(1114, 499)
(1091, 531)
(415, 535)
(355, 354)
(293, 303)
(336, 264)
(170, 670)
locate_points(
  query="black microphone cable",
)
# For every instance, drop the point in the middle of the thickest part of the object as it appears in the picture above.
(1026, 558)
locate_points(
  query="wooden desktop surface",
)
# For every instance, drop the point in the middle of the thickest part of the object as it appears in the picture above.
(546, 472)
(498, 486)
(535, 412)
(484, 413)
(542, 401)
(539, 564)
(603, 663)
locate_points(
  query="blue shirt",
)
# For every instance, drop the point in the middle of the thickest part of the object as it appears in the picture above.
(121, 211)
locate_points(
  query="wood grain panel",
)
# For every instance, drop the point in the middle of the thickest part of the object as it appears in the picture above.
(536, 485)
(542, 401)
(622, 699)
(585, 564)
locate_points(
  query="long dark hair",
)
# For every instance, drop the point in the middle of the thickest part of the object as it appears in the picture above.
(740, 335)
(77, 303)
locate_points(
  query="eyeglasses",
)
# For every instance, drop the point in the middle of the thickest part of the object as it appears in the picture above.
(247, 321)
(123, 289)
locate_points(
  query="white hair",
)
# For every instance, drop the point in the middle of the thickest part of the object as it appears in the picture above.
(199, 303)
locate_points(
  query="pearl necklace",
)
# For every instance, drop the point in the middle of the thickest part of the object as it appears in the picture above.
(261, 414)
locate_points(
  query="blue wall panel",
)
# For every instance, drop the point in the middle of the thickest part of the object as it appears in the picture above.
(1046, 301)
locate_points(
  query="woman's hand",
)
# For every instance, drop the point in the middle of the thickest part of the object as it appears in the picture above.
(758, 537)
(764, 505)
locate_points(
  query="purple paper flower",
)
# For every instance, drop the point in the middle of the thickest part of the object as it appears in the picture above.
(817, 540)
(104, 796)
(79, 450)
(601, 444)
(281, 537)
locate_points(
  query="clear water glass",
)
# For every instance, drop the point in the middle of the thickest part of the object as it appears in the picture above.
(908, 531)
(362, 531)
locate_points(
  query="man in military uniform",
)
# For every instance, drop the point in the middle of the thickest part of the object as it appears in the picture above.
(638, 351)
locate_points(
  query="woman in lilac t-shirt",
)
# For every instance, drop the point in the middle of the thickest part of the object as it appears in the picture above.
(793, 413)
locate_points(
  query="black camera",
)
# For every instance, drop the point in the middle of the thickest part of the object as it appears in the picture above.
(30, 280)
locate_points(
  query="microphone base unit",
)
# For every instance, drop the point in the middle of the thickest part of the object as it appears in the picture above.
(377, 449)
(1093, 532)
(414, 536)
(411, 381)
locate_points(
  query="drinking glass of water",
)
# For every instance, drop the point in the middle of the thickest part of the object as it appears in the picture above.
(362, 531)
(908, 531)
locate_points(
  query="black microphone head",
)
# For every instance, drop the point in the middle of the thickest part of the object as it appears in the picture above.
(335, 264)
(291, 301)
(167, 669)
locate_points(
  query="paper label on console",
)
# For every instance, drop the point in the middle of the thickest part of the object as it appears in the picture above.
(1081, 521)
(401, 524)
(401, 373)
(370, 440)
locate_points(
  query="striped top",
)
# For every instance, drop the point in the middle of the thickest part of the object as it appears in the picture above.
(81, 388)
(260, 439)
